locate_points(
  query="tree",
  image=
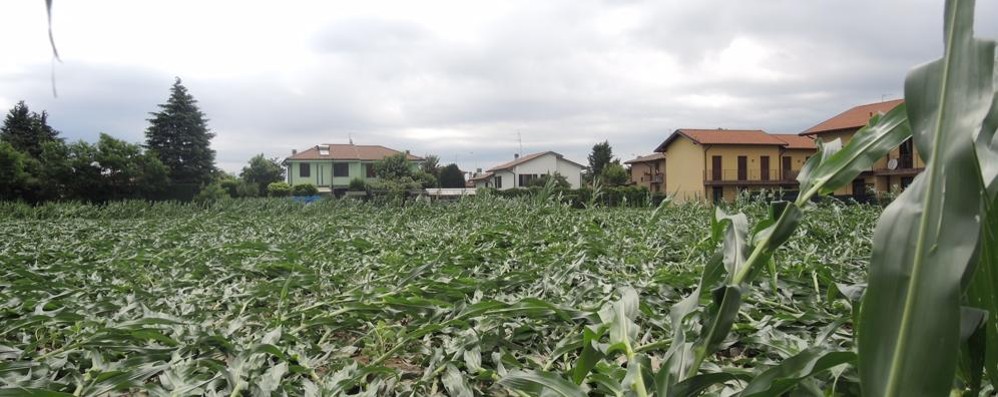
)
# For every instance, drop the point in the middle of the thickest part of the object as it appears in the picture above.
(559, 181)
(393, 167)
(614, 174)
(114, 169)
(12, 174)
(451, 177)
(431, 165)
(262, 172)
(179, 136)
(27, 131)
(601, 156)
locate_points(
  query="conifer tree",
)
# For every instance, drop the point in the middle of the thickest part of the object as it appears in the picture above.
(27, 131)
(179, 136)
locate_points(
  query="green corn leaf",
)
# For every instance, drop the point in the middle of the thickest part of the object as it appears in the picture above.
(786, 375)
(871, 143)
(532, 383)
(982, 292)
(31, 392)
(589, 356)
(973, 336)
(926, 239)
(692, 387)
(455, 384)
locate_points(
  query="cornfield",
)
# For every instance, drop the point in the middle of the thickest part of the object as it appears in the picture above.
(268, 297)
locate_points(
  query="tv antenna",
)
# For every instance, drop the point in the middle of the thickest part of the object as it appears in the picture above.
(519, 139)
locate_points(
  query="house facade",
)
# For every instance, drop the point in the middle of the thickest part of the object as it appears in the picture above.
(892, 172)
(714, 165)
(648, 171)
(524, 169)
(332, 166)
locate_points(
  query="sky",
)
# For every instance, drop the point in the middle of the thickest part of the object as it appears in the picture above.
(469, 81)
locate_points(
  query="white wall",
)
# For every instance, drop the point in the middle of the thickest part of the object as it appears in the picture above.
(572, 172)
(551, 164)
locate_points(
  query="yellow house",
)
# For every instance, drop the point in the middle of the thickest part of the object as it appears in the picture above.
(893, 172)
(716, 164)
(648, 171)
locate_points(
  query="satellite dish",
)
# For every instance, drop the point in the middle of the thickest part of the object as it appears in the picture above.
(892, 164)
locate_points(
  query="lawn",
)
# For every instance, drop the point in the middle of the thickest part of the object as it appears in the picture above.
(270, 297)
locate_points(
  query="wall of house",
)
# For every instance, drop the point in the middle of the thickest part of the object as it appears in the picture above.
(797, 159)
(508, 179)
(642, 174)
(571, 172)
(753, 153)
(684, 170)
(880, 184)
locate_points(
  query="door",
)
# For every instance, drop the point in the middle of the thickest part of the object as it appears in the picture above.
(786, 168)
(907, 153)
(859, 189)
(764, 168)
(715, 168)
(742, 168)
(718, 194)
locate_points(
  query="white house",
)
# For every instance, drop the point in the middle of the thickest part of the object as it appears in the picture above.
(523, 169)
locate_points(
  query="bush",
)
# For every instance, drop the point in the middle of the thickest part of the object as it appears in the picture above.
(211, 193)
(425, 179)
(357, 185)
(279, 189)
(304, 189)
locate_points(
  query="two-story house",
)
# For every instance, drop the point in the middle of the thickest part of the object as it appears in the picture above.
(893, 172)
(716, 164)
(331, 167)
(648, 171)
(524, 169)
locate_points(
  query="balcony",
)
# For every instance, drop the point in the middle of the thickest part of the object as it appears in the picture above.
(748, 177)
(658, 178)
(902, 165)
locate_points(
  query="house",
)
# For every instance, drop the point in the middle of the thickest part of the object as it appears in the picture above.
(894, 171)
(703, 164)
(648, 171)
(331, 167)
(523, 169)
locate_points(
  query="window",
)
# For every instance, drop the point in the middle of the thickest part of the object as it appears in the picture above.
(525, 179)
(341, 169)
(369, 169)
(304, 170)
(498, 182)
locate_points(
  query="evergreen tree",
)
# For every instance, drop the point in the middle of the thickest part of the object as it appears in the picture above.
(27, 131)
(179, 136)
(601, 156)
(451, 176)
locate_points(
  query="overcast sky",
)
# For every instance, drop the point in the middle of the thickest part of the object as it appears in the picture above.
(463, 79)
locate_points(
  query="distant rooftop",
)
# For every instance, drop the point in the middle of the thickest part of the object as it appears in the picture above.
(347, 151)
(853, 118)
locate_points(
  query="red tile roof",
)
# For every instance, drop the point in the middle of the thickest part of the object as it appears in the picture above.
(480, 177)
(795, 141)
(853, 118)
(723, 137)
(349, 152)
(526, 158)
(645, 159)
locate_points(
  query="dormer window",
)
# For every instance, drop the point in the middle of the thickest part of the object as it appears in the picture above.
(323, 150)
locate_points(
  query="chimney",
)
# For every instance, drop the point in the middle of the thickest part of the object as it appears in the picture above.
(294, 152)
(516, 156)
(407, 152)
(478, 171)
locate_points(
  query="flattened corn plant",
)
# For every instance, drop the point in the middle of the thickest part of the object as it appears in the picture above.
(268, 297)
(529, 297)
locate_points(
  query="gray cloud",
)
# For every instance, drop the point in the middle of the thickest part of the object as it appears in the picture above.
(563, 75)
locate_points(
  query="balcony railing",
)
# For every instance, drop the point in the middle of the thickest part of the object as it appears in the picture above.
(735, 176)
(904, 162)
(658, 178)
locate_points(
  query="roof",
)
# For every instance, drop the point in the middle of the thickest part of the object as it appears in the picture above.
(349, 152)
(795, 141)
(480, 177)
(723, 137)
(645, 159)
(853, 118)
(528, 157)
